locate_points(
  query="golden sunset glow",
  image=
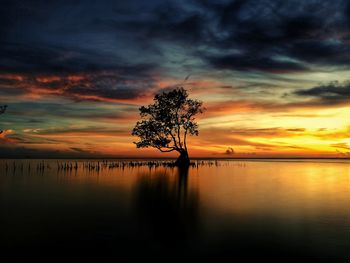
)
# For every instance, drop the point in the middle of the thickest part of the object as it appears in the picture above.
(274, 80)
(253, 124)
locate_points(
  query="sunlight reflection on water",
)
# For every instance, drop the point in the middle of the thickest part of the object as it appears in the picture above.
(281, 210)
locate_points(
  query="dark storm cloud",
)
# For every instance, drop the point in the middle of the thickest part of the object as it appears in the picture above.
(64, 39)
(37, 60)
(334, 92)
(323, 52)
(274, 36)
(131, 38)
(251, 63)
(300, 34)
(172, 23)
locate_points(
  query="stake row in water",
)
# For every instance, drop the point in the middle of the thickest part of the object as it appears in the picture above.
(20, 165)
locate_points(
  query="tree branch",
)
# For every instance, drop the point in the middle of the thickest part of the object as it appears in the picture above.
(185, 136)
(186, 129)
(178, 128)
(174, 139)
(165, 151)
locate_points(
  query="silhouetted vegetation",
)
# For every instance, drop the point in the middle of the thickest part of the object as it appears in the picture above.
(67, 166)
(166, 123)
(2, 110)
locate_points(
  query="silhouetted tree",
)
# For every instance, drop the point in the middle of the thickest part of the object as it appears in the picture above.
(2, 110)
(166, 123)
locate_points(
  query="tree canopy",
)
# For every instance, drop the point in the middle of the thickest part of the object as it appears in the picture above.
(167, 122)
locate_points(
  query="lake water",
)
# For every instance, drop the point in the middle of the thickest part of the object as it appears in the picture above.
(281, 210)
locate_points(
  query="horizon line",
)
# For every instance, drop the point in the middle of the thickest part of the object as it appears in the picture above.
(174, 158)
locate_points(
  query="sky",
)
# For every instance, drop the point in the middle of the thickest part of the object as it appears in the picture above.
(273, 75)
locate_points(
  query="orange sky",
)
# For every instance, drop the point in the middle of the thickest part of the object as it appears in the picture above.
(254, 125)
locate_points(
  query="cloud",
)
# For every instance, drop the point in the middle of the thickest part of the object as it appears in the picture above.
(113, 86)
(5, 137)
(35, 59)
(112, 56)
(80, 132)
(341, 146)
(246, 62)
(230, 151)
(229, 137)
(269, 132)
(331, 93)
(269, 36)
(31, 152)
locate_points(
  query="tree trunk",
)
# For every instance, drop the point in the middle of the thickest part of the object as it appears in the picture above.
(183, 160)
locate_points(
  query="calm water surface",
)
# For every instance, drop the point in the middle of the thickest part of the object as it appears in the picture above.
(284, 211)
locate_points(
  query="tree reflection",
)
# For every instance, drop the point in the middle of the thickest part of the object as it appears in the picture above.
(166, 209)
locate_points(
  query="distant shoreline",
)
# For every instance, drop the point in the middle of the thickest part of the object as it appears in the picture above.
(163, 158)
